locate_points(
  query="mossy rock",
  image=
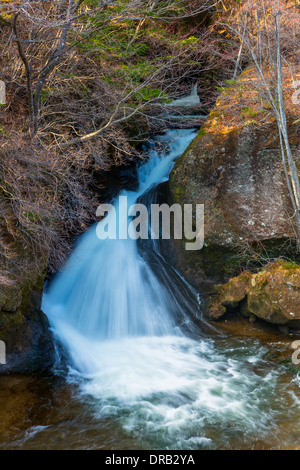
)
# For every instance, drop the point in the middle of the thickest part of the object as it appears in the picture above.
(235, 290)
(272, 294)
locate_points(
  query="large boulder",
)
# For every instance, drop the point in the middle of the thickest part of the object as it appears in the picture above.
(234, 167)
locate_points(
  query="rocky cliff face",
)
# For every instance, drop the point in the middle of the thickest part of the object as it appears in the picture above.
(25, 331)
(23, 326)
(234, 168)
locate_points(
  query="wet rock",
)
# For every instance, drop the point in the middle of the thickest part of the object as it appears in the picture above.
(284, 330)
(216, 310)
(29, 342)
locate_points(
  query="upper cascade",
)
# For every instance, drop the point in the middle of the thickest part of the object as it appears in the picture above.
(191, 100)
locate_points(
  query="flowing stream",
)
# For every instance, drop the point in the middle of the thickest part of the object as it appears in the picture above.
(137, 365)
(128, 323)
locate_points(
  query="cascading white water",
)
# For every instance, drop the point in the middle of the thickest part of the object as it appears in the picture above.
(187, 101)
(107, 290)
(119, 321)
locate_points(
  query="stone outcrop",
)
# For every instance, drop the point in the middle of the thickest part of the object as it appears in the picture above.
(25, 331)
(234, 167)
(23, 326)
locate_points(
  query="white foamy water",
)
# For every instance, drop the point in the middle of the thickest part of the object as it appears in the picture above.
(120, 320)
(191, 100)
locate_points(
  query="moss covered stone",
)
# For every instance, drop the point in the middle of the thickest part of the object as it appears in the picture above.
(272, 294)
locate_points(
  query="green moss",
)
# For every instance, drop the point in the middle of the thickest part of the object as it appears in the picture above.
(287, 363)
(33, 216)
(231, 81)
(191, 40)
(215, 261)
(249, 112)
(201, 132)
(148, 93)
(10, 320)
(291, 267)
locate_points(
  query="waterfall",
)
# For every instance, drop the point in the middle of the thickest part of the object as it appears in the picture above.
(124, 316)
(107, 290)
(191, 100)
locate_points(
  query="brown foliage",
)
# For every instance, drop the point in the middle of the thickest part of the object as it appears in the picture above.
(48, 196)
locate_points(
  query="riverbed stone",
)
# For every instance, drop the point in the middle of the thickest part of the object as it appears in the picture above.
(274, 294)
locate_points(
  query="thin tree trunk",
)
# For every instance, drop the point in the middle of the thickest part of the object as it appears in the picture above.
(237, 64)
(28, 72)
(294, 184)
